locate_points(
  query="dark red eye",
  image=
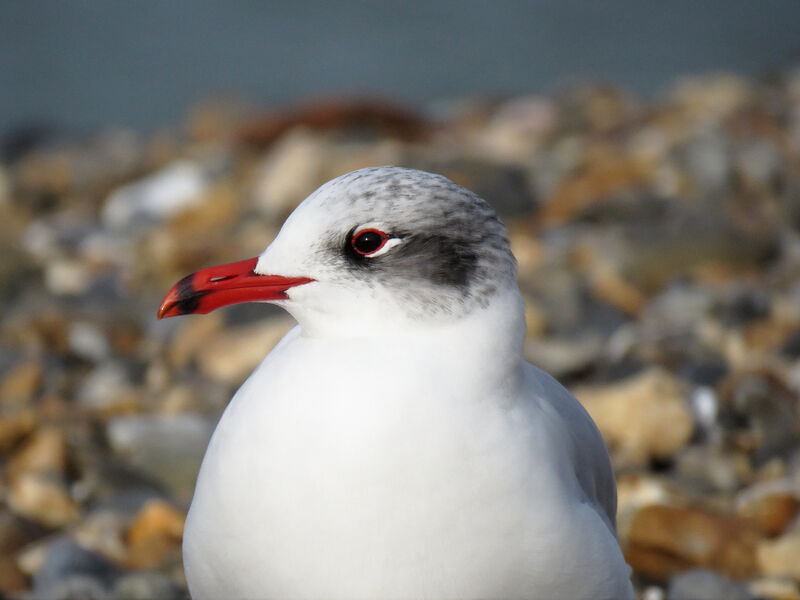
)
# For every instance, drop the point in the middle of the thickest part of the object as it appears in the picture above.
(368, 241)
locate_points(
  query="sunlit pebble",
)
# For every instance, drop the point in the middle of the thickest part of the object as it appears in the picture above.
(653, 592)
(101, 247)
(535, 115)
(103, 385)
(67, 277)
(39, 240)
(87, 341)
(704, 405)
(156, 197)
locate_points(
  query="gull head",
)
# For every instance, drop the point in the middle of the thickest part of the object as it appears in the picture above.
(377, 250)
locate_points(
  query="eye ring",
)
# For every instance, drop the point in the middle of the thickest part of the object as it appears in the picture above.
(367, 242)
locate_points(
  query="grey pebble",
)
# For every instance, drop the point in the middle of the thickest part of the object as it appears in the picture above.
(147, 585)
(69, 571)
(702, 584)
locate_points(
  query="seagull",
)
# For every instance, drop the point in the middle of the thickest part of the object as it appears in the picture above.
(395, 443)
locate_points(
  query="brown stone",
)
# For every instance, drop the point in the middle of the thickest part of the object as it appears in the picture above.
(102, 531)
(31, 558)
(608, 285)
(155, 534)
(21, 383)
(42, 498)
(126, 338)
(711, 97)
(606, 280)
(191, 336)
(609, 174)
(770, 506)
(535, 319)
(664, 540)
(641, 417)
(528, 250)
(637, 490)
(231, 355)
(15, 532)
(289, 172)
(335, 114)
(15, 426)
(45, 451)
(12, 580)
(780, 556)
(52, 407)
(67, 277)
(46, 331)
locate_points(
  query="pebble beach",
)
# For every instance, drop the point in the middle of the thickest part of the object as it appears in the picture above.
(658, 245)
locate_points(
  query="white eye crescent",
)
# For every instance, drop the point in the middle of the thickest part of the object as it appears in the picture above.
(390, 243)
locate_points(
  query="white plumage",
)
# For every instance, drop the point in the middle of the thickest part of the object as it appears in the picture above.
(395, 444)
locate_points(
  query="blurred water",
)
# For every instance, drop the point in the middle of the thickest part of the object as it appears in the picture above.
(85, 62)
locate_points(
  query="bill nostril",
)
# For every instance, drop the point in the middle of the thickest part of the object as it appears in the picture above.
(221, 278)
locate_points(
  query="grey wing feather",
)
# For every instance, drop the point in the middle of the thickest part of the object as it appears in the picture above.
(590, 455)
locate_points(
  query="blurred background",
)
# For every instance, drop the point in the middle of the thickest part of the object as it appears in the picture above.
(87, 64)
(645, 156)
